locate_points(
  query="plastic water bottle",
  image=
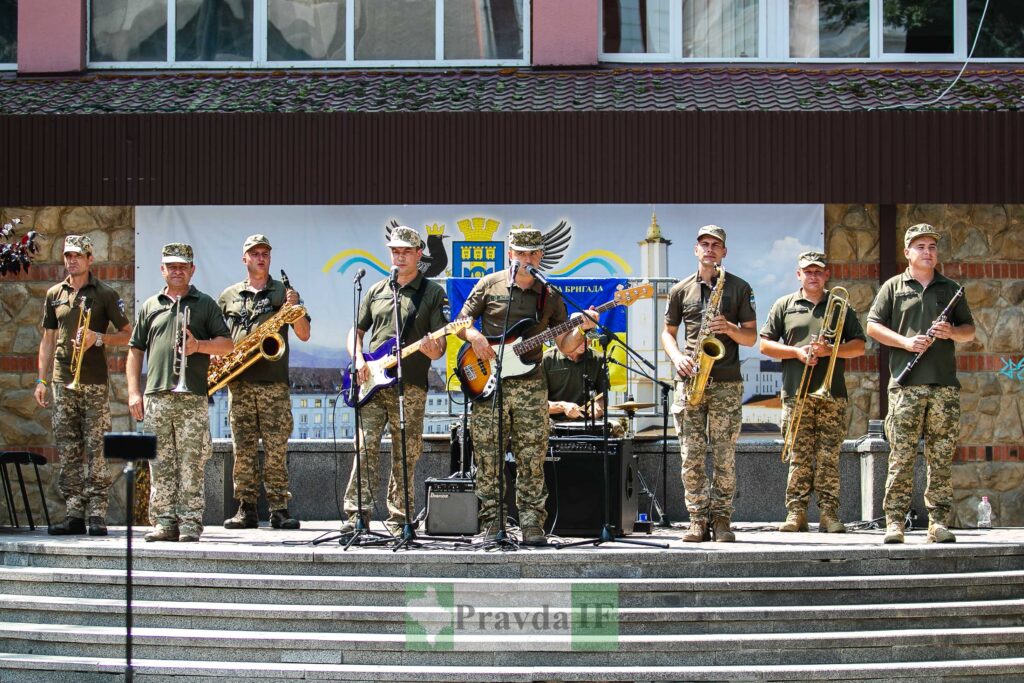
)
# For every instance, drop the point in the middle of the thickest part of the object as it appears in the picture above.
(984, 513)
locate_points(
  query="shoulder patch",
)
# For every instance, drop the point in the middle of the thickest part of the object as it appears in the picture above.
(120, 305)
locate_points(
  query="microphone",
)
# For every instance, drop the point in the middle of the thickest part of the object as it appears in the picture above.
(536, 274)
(394, 277)
(359, 275)
(514, 270)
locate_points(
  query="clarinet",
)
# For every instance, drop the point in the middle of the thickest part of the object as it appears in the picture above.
(941, 319)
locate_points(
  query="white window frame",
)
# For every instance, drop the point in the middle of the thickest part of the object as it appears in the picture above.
(259, 47)
(773, 41)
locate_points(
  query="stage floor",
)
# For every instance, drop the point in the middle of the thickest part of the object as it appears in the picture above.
(750, 537)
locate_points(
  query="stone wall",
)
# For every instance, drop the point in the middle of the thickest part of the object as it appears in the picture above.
(983, 248)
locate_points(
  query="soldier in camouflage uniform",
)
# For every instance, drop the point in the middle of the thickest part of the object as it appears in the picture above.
(927, 404)
(524, 398)
(259, 400)
(180, 420)
(421, 311)
(80, 416)
(718, 418)
(791, 334)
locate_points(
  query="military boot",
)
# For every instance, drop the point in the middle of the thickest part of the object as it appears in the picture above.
(245, 518)
(698, 531)
(280, 519)
(71, 526)
(938, 533)
(829, 523)
(796, 520)
(721, 530)
(97, 526)
(893, 532)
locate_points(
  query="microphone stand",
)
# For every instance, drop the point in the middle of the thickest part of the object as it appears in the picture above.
(408, 533)
(645, 490)
(606, 535)
(498, 402)
(361, 529)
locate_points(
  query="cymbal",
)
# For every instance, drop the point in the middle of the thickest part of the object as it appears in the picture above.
(632, 405)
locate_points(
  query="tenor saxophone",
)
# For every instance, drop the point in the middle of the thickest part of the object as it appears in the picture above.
(263, 342)
(708, 349)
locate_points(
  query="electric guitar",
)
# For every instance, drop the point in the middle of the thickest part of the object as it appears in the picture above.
(382, 360)
(477, 376)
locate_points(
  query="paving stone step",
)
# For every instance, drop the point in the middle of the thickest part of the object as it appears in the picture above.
(392, 620)
(55, 669)
(508, 650)
(391, 591)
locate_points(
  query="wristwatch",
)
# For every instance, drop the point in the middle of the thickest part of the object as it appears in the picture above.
(99, 339)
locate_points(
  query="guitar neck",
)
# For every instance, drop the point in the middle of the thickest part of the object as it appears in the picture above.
(415, 346)
(524, 345)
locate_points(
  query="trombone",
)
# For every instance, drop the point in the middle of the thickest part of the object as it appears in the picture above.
(831, 333)
(77, 352)
(182, 319)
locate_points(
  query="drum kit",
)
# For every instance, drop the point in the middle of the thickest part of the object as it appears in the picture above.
(623, 427)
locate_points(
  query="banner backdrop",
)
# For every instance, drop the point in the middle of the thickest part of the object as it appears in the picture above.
(585, 292)
(322, 247)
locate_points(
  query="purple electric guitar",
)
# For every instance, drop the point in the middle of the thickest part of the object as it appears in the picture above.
(382, 360)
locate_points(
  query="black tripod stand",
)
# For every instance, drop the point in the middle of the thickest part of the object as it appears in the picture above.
(129, 447)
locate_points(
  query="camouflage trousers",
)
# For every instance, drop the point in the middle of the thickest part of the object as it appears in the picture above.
(526, 423)
(260, 411)
(814, 465)
(916, 412)
(378, 413)
(717, 422)
(80, 419)
(183, 445)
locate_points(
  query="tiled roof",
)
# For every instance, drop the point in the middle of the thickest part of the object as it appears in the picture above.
(632, 89)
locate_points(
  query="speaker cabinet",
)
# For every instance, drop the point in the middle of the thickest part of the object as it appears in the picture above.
(573, 472)
(452, 507)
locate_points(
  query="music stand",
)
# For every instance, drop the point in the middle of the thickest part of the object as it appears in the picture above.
(129, 447)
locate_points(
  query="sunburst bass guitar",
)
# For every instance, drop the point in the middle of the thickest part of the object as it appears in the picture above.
(477, 376)
(382, 361)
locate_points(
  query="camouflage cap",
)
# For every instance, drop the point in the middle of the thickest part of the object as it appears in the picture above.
(714, 231)
(811, 258)
(177, 252)
(255, 240)
(404, 236)
(919, 230)
(525, 239)
(78, 243)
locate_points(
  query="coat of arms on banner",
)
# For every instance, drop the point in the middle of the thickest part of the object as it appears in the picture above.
(480, 254)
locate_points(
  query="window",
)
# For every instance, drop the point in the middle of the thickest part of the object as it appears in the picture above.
(826, 30)
(303, 419)
(8, 34)
(318, 403)
(303, 33)
(318, 419)
(304, 403)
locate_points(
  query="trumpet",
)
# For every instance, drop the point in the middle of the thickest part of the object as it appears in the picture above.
(832, 333)
(77, 352)
(182, 319)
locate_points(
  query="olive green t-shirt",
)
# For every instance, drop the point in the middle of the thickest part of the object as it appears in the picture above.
(794, 320)
(686, 303)
(156, 332)
(493, 294)
(567, 379)
(905, 307)
(244, 311)
(61, 312)
(376, 318)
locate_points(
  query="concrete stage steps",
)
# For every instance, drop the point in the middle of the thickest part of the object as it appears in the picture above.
(240, 606)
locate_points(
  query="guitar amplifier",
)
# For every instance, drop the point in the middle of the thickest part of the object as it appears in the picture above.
(574, 474)
(452, 507)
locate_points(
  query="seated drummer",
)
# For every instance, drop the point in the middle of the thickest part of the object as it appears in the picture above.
(569, 375)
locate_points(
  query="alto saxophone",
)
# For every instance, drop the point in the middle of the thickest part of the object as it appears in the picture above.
(708, 348)
(263, 342)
